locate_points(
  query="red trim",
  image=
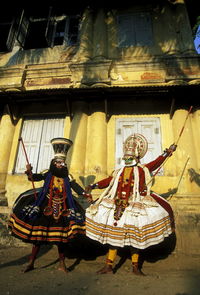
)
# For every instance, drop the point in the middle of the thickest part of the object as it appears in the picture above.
(166, 206)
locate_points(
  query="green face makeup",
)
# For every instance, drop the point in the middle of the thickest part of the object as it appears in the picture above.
(128, 160)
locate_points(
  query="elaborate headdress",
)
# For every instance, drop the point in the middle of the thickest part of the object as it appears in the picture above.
(135, 145)
(61, 146)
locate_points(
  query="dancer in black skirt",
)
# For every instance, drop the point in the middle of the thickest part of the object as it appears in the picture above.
(50, 214)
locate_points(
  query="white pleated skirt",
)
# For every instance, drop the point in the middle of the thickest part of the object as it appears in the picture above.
(140, 226)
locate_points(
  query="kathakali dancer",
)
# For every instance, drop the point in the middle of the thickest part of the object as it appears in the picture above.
(54, 216)
(128, 213)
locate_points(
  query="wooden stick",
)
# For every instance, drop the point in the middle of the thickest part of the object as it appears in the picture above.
(184, 125)
(180, 178)
(31, 176)
(176, 143)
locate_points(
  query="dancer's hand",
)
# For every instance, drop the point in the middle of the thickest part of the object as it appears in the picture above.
(88, 196)
(28, 169)
(172, 148)
(88, 189)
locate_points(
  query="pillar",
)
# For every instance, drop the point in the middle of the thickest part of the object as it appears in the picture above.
(96, 155)
(86, 31)
(78, 134)
(6, 137)
(100, 36)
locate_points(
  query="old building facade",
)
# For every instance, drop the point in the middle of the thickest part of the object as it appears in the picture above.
(96, 74)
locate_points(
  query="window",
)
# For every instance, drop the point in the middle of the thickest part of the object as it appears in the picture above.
(42, 27)
(36, 37)
(135, 29)
(9, 26)
(148, 127)
(73, 28)
(36, 135)
(48, 31)
(63, 31)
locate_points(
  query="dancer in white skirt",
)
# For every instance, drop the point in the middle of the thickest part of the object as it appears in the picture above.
(128, 213)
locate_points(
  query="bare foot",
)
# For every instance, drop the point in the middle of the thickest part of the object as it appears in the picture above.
(28, 268)
(137, 271)
(106, 269)
(62, 267)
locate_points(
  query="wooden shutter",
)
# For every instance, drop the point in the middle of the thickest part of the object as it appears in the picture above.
(31, 135)
(126, 34)
(11, 36)
(50, 29)
(8, 32)
(23, 29)
(51, 128)
(135, 29)
(36, 135)
(149, 127)
(143, 29)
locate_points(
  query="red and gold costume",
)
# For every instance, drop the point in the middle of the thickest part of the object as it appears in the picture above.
(128, 213)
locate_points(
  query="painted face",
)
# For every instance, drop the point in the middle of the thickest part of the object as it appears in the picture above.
(59, 163)
(128, 160)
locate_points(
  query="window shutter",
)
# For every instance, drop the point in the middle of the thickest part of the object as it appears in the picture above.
(135, 29)
(148, 127)
(66, 35)
(23, 29)
(143, 29)
(36, 135)
(126, 34)
(31, 135)
(51, 128)
(8, 30)
(50, 29)
(50, 33)
(11, 36)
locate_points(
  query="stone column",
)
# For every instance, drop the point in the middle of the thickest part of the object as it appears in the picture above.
(78, 134)
(100, 36)
(6, 137)
(84, 52)
(96, 155)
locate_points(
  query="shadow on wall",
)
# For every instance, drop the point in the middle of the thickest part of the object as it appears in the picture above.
(194, 176)
(87, 180)
(169, 193)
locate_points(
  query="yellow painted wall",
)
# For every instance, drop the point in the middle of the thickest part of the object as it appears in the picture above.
(100, 60)
(93, 154)
(6, 137)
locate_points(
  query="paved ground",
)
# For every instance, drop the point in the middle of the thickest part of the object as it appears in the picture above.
(174, 274)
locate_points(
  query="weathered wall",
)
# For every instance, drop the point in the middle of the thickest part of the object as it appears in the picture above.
(93, 152)
(99, 62)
